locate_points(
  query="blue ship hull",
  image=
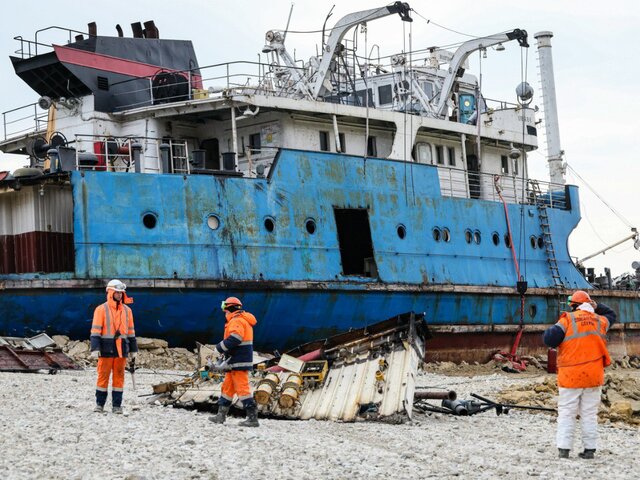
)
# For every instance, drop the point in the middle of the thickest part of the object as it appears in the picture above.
(293, 280)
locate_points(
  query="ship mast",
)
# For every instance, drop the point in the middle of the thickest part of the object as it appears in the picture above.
(552, 131)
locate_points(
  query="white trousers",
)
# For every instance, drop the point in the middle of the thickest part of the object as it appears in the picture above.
(574, 402)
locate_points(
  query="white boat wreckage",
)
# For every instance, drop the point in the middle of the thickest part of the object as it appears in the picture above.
(363, 374)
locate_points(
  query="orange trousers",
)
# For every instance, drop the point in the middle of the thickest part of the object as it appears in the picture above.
(236, 382)
(107, 366)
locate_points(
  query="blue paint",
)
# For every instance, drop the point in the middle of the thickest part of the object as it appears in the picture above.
(111, 241)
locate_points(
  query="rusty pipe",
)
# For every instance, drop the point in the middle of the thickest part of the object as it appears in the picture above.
(431, 395)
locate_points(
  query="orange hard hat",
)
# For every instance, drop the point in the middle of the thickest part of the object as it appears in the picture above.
(229, 302)
(580, 296)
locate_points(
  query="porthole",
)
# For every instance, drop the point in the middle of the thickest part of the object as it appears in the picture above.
(310, 225)
(477, 237)
(533, 310)
(150, 220)
(437, 234)
(540, 243)
(495, 238)
(468, 236)
(534, 241)
(269, 224)
(402, 231)
(507, 240)
(446, 236)
(213, 222)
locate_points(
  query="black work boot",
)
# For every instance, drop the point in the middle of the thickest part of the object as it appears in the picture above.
(221, 416)
(563, 453)
(252, 418)
(588, 453)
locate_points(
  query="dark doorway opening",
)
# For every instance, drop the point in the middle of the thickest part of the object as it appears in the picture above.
(473, 172)
(212, 155)
(354, 237)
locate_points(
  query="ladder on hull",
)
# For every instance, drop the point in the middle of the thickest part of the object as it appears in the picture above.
(547, 239)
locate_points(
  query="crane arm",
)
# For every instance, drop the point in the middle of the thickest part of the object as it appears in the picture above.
(341, 28)
(463, 52)
(636, 244)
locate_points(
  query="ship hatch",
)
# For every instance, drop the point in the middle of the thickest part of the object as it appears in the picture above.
(354, 237)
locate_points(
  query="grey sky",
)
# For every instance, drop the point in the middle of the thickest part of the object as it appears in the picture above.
(594, 50)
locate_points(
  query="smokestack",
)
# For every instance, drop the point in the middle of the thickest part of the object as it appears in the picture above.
(552, 130)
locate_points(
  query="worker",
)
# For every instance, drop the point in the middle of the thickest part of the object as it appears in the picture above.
(113, 339)
(237, 349)
(580, 336)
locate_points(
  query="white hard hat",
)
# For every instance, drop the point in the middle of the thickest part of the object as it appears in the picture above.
(116, 285)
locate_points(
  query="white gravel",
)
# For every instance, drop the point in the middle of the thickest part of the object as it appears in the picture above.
(48, 431)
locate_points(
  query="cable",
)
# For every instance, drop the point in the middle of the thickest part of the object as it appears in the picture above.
(615, 212)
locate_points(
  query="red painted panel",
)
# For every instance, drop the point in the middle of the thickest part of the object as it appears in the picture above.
(108, 63)
(37, 252)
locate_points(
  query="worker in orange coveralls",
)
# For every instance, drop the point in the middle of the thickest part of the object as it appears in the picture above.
(581, 338)
(113, 340)
(237, 347)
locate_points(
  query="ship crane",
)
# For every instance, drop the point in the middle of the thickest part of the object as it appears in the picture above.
(633, 236)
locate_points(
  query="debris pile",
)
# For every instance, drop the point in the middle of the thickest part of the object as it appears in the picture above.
(153, 353)
(620, 396)
(538, 362)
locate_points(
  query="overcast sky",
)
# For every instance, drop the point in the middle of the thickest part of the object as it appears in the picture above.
(594, 53)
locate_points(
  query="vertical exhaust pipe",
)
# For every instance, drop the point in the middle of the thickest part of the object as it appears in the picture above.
(552, 129)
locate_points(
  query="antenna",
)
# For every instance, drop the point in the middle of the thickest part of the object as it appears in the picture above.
(284, 35)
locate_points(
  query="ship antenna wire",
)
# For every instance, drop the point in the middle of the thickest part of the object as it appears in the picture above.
(524, 64)
(413, 137)
(366, 100)
(404, 116)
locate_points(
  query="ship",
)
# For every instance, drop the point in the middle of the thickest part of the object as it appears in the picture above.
(327, 194)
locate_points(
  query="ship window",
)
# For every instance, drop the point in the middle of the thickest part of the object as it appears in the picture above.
(361, 98)
(427, 88)
(507, 240)
(437, 234)
(310, 225)
(477, 237)
(325, 144)
(150, 220)
(385, 96)
(534, 242)
(354, 238)
(402, 231)
(533, 309)
(213, 222)
(254, 143)
(343, 143)
(422, 153)
(269, 224)
(540, 242)
(468, 236)
(452, 156)
(505, 164)
(372, 148)
(446, 236)
(495, 238)
(439, 155)
(103, 83)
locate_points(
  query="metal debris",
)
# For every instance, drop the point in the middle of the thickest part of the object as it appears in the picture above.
(35, 354)
(363, 374)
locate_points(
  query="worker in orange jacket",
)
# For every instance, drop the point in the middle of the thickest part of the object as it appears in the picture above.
(237, 348)
(113, 340)
(580, 336)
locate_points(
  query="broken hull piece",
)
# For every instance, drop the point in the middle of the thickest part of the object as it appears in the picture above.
(370, 376)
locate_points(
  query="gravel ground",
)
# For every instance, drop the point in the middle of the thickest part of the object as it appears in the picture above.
(48, 431)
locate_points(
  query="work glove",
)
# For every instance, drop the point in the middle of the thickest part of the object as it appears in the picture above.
(133, 355)
(95, 354)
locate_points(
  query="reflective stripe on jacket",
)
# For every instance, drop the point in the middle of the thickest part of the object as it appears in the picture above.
(112, 332)
(238, 340)
(583, 354)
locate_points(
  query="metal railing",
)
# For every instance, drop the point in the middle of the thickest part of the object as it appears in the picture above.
(23, 120)
(461, 183)
(29, 48)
